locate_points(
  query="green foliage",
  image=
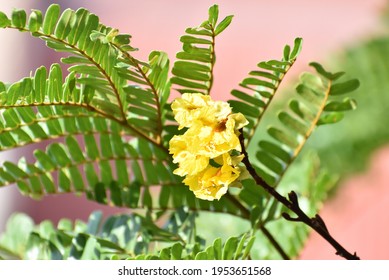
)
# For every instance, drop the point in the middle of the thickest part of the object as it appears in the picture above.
(193, 69)
(105, 126)
(262, 84)
(99, 99)
(359, 135)
(312, 105)
(118, 237)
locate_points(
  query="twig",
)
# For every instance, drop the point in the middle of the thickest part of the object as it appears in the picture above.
(274, 242)
(316, 223)
(246, 214)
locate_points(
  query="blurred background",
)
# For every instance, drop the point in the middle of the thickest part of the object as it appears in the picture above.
(349, 35)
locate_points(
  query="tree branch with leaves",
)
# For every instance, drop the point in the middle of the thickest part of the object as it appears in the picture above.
(112, 132)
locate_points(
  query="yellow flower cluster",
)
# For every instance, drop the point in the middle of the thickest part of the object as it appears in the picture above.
(204, 151)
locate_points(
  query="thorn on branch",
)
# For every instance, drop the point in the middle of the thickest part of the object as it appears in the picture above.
(286, 216)
(294, 199)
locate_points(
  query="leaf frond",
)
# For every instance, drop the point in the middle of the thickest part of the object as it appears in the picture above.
(193, 69)
(257, 90)
(234, 248)
(97, 239)
(314, 105)
(96, 166)
(94, 71)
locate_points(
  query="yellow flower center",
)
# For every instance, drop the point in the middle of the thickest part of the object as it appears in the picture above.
(221, 126)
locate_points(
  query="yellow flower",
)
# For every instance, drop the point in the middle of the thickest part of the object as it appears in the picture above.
(189, 161)
(203, 152)
(217, 138)
(212, 183)
(191, 107)
(240, 120)
(223, 109)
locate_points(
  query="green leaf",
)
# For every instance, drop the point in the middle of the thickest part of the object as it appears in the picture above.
(320, 69)
(223, 25)
(40, 84)
(282, 137)
(41, 249)
(247, 250)
(186, 83)
(54, 85)
(76, 35)
(14, 170)
(201, 57)
(64, 182)
(217, 249)
(159, 63)
(330, 118)
(275, 150)
(57, 152)
(230, 248)
(257, 82)
(46, 229)
(2, 87)
(17, 91)
(293, 123)
(48, 183)
(345, 87)
(244, 109)
(43, 160)
(301, 110)
(191, 66)
(19, 18)
(91, 250)
(270, 162)
(116, 193)
(248, 98)
(176, 251)
(286, 52)
(96, 35)
(298, 42)
(78, 245)
(18, 228)
(240, 246)
(91, 147)
(190, 74)
(65, 24)
(346, 104)
(74, 149)
(194, 40)
(50, 19)
(198, 31)
(122, 39)
(4, 21)
(213, 14)
(35, 21)
(94, 222)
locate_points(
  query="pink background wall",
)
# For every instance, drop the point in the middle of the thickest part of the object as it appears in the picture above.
(259, 31)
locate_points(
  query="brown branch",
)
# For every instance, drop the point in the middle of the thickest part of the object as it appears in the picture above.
(316, 223)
